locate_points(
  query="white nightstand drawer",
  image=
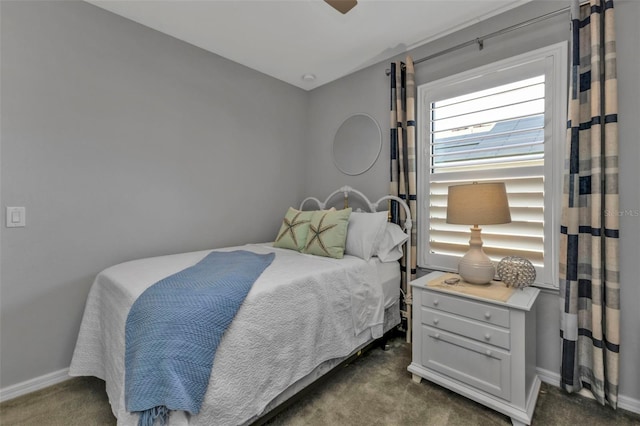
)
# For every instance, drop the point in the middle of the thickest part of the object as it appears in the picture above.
(474, 364)
(476, 310)
(477, 330)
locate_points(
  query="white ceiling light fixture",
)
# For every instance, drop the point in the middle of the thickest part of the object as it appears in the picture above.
(308, 77)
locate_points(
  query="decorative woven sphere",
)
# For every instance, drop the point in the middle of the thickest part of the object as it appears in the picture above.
(516, 271)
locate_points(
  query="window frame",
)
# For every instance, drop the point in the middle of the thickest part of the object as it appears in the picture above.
(552, 60)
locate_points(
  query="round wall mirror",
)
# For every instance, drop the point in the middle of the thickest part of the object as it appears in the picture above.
(357, 144)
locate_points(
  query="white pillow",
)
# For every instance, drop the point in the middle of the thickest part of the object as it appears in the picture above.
(390, 247)
(364, 232)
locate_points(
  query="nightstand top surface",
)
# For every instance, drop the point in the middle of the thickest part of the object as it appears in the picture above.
(520, 299)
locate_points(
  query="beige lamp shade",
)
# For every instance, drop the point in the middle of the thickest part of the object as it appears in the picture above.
(478, 204)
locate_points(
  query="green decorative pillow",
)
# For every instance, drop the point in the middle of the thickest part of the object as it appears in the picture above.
(294, 230)
(328, 233)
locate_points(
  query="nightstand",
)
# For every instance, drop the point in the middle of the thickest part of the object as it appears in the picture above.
(481, 348)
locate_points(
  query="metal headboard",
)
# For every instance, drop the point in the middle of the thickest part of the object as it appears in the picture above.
(373, 207)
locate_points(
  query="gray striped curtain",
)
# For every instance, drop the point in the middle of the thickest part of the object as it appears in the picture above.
(589, 270)
(403, 151)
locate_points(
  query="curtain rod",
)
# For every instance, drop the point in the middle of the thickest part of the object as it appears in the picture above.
(480, 40)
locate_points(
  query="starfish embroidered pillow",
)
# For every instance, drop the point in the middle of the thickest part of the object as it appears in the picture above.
(328, 233)
(294, 230)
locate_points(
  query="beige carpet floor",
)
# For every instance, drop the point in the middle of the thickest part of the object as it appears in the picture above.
(375, 389)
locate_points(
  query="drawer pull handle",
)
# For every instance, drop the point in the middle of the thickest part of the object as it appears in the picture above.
(487, 336)
(487, 315)
(435, 302)
(437, 336)
(488, 352)
(436, 321)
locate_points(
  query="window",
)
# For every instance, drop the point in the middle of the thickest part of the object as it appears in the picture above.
(501, 122)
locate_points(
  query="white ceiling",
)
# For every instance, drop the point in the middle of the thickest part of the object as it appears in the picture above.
(287, 39)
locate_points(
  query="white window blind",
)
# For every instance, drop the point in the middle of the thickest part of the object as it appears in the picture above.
(524, 236)
(502, 126)
(494, 124)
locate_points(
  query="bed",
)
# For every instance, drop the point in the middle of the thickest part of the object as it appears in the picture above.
(303, 316)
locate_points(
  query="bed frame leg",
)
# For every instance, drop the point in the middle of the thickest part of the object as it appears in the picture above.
(384, 343)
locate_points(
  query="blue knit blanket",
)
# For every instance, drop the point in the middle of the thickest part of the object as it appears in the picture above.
(173, 330)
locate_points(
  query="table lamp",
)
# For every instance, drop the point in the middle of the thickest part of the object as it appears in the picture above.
(477, 204)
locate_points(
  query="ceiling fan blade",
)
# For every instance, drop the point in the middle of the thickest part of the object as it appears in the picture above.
(342, 6)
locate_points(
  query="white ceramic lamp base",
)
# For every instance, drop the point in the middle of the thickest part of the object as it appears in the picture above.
(475, 267)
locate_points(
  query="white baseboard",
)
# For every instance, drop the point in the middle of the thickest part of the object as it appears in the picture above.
(629, 404)
(34, 384)
(548, 377)
(624, 402)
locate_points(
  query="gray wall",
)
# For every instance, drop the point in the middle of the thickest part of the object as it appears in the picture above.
(367, 91)
(122, 143)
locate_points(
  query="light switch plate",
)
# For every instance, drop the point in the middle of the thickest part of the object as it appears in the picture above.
(16, 217)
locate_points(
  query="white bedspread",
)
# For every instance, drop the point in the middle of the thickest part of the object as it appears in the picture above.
(302, 311)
